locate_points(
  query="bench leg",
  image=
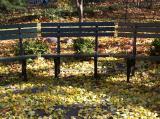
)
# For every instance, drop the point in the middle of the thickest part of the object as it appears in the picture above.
(57, 67)
(128, 69)
(95, 68)
(133, 67)
(24, 70)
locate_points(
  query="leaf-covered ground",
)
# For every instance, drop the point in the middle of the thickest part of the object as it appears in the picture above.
(77, 94)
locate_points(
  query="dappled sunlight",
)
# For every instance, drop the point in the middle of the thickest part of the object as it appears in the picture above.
(106, 97)
(88, 59)
(31, 96)
(81, 95)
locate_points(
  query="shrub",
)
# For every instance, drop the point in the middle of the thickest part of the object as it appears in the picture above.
(155, 47)
(9, 5)
(33, 47)
(50, 13)
(83, 46)
(89, 11)
(115, 6)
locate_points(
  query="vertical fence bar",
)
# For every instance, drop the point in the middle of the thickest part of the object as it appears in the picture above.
(95, 55)
(21, 52)
(57, 59)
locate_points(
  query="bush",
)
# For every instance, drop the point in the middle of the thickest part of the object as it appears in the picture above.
(90, 11)
(52, 13)
(9, 5)
(83, 46)
(33, 47)
(115, 7)
(155, 47)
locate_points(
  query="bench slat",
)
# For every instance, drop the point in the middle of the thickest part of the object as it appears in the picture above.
(11, 37)
(148, 29)
(130, 35)
(78, 29)
(17, 26)
(48, 56)
(75, 34)
(156, 24)
(8, 32)
(79, 24)
(150, 58)
(31, 35)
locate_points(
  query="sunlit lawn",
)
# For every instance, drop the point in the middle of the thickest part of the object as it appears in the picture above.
(80, 96)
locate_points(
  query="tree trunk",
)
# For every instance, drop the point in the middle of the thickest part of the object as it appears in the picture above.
(80, 9)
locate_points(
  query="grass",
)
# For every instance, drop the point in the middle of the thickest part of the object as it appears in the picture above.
(81, 96)
(77, 94)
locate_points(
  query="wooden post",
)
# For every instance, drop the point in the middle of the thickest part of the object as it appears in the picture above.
(134, 49)
(95, 56)
(57, 60)
(21, 52)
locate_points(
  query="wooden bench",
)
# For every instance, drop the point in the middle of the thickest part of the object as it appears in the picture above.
(18, 31)
(135, 31)
(85, 29)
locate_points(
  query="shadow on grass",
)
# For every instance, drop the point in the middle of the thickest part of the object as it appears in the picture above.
(114, 86)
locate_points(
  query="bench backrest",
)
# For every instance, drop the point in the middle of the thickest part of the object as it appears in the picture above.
(10, 32)
(85, 29)
(139, 30)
